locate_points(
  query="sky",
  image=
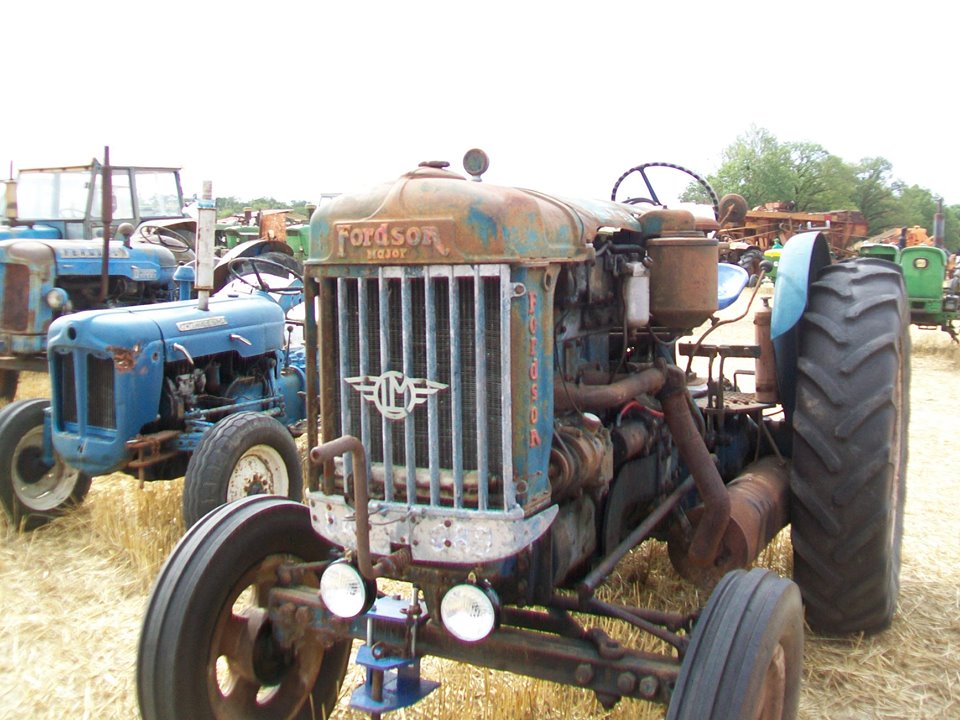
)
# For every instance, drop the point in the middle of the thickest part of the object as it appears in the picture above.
(291, 100)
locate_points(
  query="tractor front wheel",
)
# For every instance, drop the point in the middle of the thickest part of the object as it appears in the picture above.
(208, 648)
(33, 491)
(746, 653)
(850, 446)
(244, 454)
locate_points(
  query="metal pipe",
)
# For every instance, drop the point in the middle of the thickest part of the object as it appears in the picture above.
(675, 400)
(592, 581)
(391, 564)
(106, 215)
(759, 509)
(600, 397)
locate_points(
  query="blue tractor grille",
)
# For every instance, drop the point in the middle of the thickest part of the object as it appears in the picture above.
(97, 399)
(428, 346)
(16, 298)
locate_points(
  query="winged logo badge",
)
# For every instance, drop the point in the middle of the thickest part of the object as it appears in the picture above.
(393, 393)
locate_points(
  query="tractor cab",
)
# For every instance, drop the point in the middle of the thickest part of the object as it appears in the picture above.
(66, 202)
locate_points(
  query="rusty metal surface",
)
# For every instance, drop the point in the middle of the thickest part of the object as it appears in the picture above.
(432, 215)
(766, 366)
(124, 359)
(716, 502)
(588, 659)
(604, 396)
(759, 509)
(683, 280)
(390, 565)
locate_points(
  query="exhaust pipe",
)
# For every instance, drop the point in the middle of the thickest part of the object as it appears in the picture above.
(759, 509)
(675, 399)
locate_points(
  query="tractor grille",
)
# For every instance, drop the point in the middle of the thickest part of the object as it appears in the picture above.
(16, 298)
(66, 381)
(97, 398)
(101, 408)
(428, 347)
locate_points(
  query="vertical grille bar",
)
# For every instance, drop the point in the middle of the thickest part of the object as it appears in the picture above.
(409, 425)
(386, 432)
(343, 339)
(456, 411)
(363, 348)
(433, 430)
(480, 320)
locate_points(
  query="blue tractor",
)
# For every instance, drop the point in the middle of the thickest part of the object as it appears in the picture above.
(161, 391)
(52, 248)
(499, 415)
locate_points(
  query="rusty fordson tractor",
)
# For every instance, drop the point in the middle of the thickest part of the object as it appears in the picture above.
(501, 415)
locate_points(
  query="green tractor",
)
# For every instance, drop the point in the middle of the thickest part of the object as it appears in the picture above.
(932, 296)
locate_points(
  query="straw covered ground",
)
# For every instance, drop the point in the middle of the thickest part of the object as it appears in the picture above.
(72, 596)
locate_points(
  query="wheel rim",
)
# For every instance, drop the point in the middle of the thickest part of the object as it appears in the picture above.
(259, 471)
(774, 687)
(38, 486)
(242, 647)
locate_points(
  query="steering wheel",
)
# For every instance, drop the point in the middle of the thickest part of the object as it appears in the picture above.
(167, 237)
(240, 269)
(653, 199)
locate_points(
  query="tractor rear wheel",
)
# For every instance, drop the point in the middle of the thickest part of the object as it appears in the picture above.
(746, 653)
(33, 491)
(247, 453)
(850, 446)
(207, 647)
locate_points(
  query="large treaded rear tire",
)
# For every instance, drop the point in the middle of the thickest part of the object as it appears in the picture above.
(850, 446)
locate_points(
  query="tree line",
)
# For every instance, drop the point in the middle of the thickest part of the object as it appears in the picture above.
(762, 169)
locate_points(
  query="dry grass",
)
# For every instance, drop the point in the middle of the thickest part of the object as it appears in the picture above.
(72, 597)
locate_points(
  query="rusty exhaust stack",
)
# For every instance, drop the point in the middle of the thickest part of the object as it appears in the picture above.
(709, 532)
(759, 509)
(390, 565)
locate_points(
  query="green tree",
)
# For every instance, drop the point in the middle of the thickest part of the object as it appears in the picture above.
(872, 194)
(755, 166)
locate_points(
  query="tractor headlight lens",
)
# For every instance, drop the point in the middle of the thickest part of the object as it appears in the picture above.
(469, 613)
(343, 590)
(57, 298)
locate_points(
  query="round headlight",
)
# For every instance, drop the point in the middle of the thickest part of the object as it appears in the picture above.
(343, 590)
(57, 298)
(468, 612)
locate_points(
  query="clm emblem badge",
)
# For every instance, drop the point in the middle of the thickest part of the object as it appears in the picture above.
(393, 393)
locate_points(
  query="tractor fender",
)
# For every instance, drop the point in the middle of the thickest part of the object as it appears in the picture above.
(800, 263)
(250, 248)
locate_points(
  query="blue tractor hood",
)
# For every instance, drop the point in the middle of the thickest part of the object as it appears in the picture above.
(255, 318)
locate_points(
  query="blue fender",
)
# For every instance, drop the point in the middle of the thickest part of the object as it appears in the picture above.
(800, 263)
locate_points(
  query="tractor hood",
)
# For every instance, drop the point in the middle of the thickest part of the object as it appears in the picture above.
(229, 325)
(141, 261)
(432, 215)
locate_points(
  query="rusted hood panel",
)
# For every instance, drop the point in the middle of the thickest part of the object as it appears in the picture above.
(436, 216)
